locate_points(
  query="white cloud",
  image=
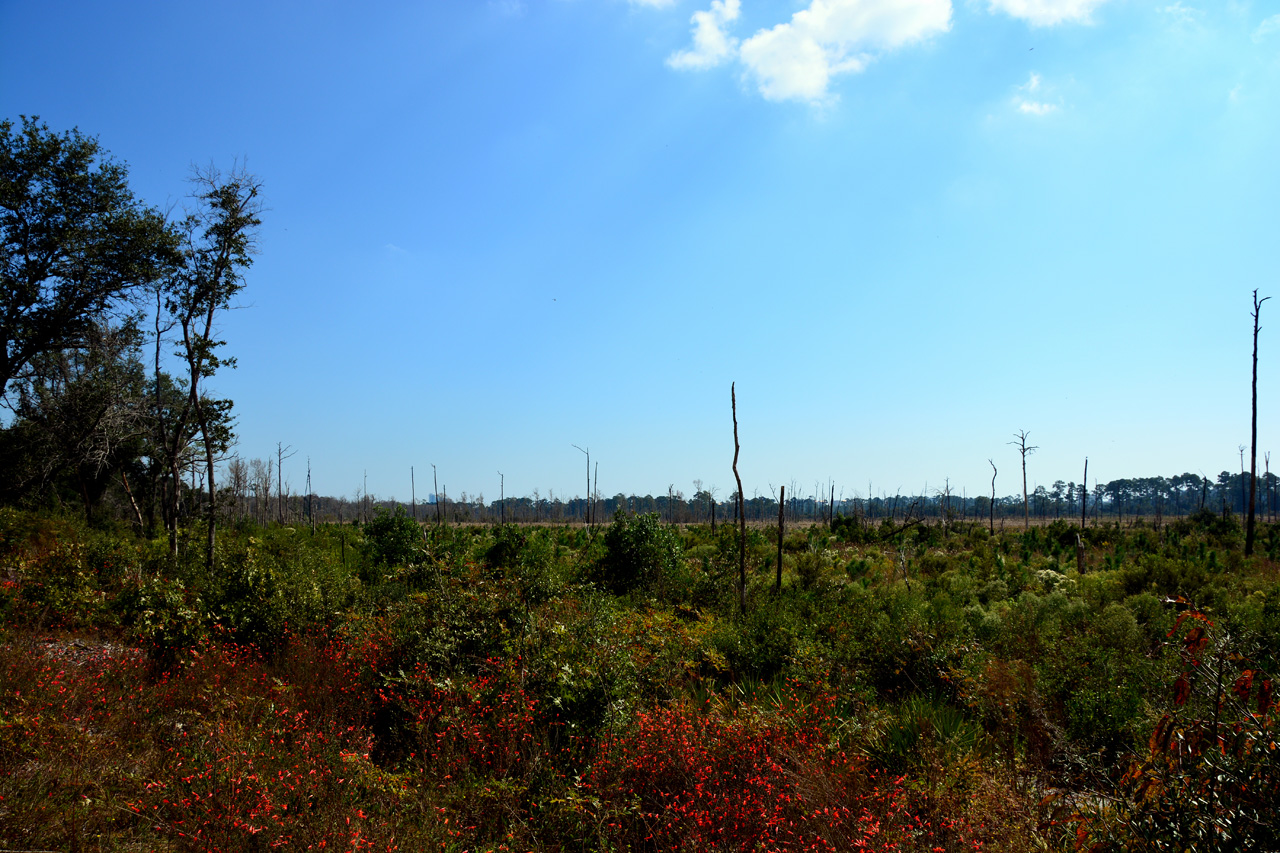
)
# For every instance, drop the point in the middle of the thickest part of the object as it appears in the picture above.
(1181, 14)
(1036, 108)
(797, 59)
(711, 44)
(1046, 13)
(1027, 105)
(1267, 27)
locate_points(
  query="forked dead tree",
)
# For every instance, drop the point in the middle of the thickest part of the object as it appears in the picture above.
(283, 452)
(1020, 442)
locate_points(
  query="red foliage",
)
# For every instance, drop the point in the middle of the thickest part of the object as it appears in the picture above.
(685, 779)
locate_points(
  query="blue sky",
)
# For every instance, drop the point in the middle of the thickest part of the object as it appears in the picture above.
(905, 228)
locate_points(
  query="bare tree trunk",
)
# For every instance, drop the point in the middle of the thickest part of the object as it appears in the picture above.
(133, 503)
(1244, 490)
(742, 514)
(1084, 493)
(1253, 432)
(282, 453)
(992, 508)
(782, 528)
(1271, 502)
(587, 496)
(435, 485)
(213, 495)
(311, 510)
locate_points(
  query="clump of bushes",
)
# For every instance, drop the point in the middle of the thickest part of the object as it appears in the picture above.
(392, 539)
(642, 555)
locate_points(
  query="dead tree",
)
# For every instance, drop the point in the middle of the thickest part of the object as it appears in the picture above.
(435, 493)
(587, 509)
(741, 507)
(283, 452)
(782, 526)
(1253, 431)
(1084, 493)
(994, 471)
(1266, 479)
(1020, 442)
(311, 515)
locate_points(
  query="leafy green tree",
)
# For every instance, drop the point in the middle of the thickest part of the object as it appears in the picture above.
(641, 553)
(74, 243)
(217, 241)
(79, 414)
(393, 538)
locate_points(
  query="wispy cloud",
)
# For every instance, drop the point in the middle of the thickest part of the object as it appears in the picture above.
(711, 44)
(1046, 13)
(1181, 14)
(1268, 27)
(1028, 98)
(797, 60)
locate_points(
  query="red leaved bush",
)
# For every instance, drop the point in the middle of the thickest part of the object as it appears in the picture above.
(701, 779)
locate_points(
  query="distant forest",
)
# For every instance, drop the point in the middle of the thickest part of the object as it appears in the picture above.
(252, 493)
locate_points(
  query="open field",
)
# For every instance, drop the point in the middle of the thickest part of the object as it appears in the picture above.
(483, 688)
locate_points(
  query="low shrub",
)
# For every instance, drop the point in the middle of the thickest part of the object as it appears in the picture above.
(641, 555)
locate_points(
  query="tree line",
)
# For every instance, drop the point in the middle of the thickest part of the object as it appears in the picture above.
(252, 491)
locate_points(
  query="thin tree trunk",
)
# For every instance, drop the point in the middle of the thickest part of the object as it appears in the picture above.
(742, 516)
(992, 508)
(133, 503)
(213, 495)
(1253, 431)
(435, 486)
(782, 529)
(1084, 493)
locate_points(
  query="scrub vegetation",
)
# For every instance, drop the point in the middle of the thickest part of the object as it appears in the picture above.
(488, 687)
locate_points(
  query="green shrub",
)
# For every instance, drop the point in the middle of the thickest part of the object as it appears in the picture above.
(163, 616)
(392, 539)
(641, 555)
